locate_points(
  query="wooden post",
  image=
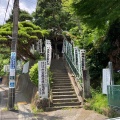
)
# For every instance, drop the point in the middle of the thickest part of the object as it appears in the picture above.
(12, 75)
(86, 84)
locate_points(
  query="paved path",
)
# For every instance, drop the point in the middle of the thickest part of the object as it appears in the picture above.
(24, 112)
(71, 114)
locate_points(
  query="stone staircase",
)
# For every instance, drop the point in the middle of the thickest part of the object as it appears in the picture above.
(63, 94)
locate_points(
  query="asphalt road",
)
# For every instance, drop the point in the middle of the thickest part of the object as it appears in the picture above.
(4, 114)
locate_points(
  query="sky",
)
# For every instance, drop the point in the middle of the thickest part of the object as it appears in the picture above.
(28, 5)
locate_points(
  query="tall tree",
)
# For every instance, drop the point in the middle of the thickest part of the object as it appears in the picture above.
(50, 14)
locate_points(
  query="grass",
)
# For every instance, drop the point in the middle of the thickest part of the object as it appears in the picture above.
(16, 107)
(99, 103)
(35, 110)
(4, 109)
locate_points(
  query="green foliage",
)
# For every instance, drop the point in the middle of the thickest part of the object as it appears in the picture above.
(4, 60)
(34, 74)
(116, 78)
(23, 15)
(98, 102)
(28, 33)
(52, 14)
(97, 13)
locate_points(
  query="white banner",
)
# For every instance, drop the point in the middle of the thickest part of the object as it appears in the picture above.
(39, 46)
(48, 54)
(105, 80)
(82, 59)
(43, 80)
(76, 51)
(47, 42)
(43, 90)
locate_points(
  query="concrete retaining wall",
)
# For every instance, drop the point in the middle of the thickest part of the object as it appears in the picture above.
(26, 87)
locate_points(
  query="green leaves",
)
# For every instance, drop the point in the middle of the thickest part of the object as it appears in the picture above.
(28, 33)
(34, 74)
(97, 13)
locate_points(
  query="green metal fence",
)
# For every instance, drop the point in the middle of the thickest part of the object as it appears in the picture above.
(71, 65)
(113, 95)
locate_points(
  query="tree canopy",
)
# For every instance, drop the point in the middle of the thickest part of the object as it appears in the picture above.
(23, 15)
(96, 13)
(28, 33)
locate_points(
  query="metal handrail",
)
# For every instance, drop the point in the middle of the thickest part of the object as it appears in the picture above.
(72, 67)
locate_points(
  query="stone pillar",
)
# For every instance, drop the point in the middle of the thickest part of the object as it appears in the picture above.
(86, 84)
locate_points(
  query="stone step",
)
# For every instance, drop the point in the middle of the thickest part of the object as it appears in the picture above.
(66, 103)
(64, 93)
(64, 96)
(60, 75)
(62, 89)
(61, 84)
(63, 107)
(65, 100)
(59, 72)
(62, 80)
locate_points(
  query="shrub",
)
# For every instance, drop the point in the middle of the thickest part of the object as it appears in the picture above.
(34, 74)
(98, 102)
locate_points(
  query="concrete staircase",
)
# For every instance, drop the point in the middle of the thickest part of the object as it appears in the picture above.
(63, 93)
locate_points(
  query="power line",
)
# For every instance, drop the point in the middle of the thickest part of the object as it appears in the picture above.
(6, 10)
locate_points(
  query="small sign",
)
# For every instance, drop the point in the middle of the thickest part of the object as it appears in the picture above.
(12, 77)
(12, 72)
(12, 84)
(13, 60)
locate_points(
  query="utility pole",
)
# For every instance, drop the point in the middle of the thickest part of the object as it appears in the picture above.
(12, 75)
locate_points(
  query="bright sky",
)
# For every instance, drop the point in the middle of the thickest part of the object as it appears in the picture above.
(28, 5)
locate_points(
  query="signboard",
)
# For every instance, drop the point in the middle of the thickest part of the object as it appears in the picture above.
(76, 51)
(43, 90)
(12, 84)
(12, 70)
(47, 42)
(39, 46)
(105, 80)
(43, 81)
(13, 60)
(82, 58)
(48, 53)
(82, 64)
